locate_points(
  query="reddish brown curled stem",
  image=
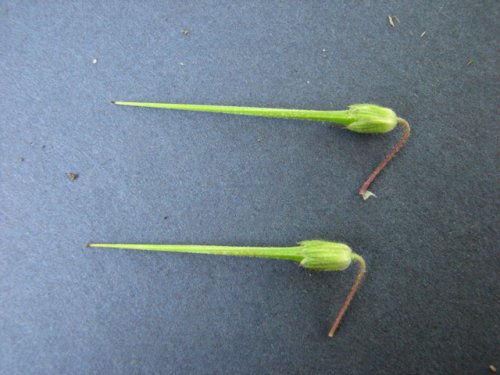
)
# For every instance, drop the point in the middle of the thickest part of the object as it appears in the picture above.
(357, 282)
(363, 191)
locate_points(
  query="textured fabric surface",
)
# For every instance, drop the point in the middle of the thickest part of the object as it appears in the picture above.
(430, 301)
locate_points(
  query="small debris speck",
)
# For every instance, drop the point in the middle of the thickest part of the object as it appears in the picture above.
(324, 49)
(72, 176)
(308, 82)
(470, 62)
(185, 31)
(492, 368)
(94, 61)
(423, 34)
(20, 159)
(182, 64)
(391, 21)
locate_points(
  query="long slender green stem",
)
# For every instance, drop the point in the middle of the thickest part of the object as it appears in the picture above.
(285, 253)
(341, 117)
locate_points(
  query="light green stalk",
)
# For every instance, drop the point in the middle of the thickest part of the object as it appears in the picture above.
(316, 255)
(359, 118)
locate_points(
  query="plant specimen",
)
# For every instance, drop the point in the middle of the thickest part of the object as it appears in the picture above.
(359, 118)
(315, 255)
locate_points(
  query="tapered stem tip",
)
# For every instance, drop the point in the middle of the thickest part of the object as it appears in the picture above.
(367, 194)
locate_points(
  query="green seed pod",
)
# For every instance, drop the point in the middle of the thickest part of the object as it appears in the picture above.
(316, 255)
(359, 118)
(371, 118)
(325, 256)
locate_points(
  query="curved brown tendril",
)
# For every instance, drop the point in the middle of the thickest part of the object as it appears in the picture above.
(357, 282)
(363, 191)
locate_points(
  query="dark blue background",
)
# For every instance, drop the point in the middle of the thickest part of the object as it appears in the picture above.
(430, 301)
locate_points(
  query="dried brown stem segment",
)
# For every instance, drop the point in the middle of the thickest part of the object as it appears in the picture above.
(357, 283)
(363, 191)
